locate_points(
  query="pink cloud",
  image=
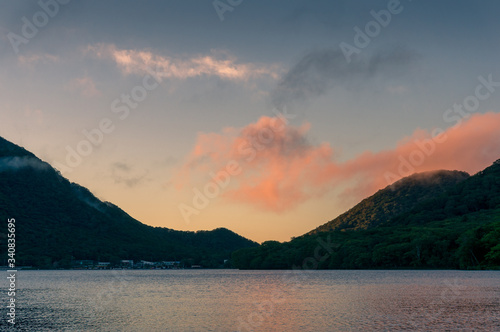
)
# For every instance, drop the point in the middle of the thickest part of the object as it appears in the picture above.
(281, 168)
(217, 63)
(470, 147)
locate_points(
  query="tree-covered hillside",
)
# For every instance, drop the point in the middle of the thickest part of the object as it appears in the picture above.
(58, 221)
(455, 229)
(400, 197)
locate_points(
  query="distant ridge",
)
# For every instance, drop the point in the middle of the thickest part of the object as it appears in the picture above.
(395, 199)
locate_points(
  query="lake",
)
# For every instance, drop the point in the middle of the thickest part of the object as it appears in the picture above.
(232, 300)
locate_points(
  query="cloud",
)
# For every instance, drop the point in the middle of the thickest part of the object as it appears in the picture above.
(123, 173)
(320, 70)
(85, 86)
(33, 59)
(217, 63)
(279, 163)
(281, 168)
(121, 166)
(469, 147)
(15, 163)
(131, 181)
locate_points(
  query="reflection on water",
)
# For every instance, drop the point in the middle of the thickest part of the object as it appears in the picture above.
(229, 300)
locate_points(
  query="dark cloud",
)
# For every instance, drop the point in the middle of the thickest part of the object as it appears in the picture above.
(121, 166)
(320, 70)
(123, 173)
(129, 181)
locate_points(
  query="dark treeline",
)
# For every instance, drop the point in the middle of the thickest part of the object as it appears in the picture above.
(458, 228)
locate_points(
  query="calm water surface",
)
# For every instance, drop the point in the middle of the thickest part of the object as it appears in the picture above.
(230, 300)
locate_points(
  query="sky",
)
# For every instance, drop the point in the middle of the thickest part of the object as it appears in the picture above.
(268, 118)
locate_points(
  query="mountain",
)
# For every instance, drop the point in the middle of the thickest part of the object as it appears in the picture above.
(8, 149)
(58, 221)
(400, 197)
(479, 192)
(443, 219)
